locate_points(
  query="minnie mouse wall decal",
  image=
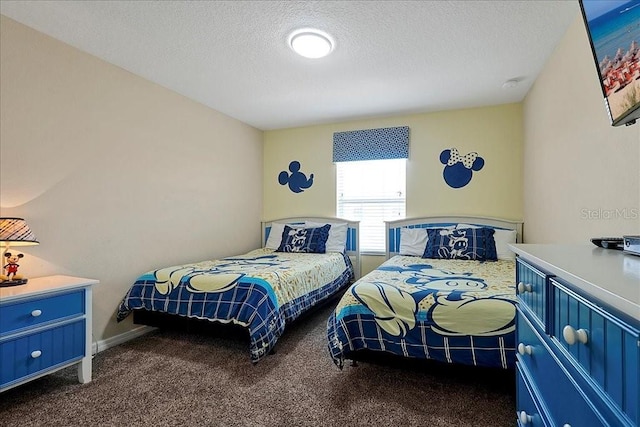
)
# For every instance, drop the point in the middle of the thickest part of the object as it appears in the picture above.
(458, 169)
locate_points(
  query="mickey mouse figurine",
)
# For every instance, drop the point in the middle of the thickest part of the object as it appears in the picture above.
(11, 276)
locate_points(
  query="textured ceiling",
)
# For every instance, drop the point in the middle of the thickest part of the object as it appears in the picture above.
(391, 57)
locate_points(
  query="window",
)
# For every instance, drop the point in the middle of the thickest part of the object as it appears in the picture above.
(371, 180)
(371, 191)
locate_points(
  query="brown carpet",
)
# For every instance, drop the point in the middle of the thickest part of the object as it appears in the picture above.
(170, 378)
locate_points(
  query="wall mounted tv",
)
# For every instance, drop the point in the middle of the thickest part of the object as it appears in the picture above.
(613, 27)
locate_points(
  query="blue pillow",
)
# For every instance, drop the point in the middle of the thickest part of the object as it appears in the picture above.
(307, 240)
(462, 243)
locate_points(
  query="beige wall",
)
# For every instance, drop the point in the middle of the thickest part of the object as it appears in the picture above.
(495, 191)
(117, 175)
(114, 174)
(581, 175)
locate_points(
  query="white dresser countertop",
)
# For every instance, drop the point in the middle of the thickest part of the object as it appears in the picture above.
(609, 275)
(40, 285)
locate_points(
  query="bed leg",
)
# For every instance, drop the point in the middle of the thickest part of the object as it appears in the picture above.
(272, 351)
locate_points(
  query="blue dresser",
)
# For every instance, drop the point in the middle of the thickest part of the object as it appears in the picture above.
(45, 326)
(578, 336)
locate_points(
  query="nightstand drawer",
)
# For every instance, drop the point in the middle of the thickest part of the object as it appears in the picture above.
(33, 312)
(566, 403)
(530, 288)
(604, 346)
(30, 355)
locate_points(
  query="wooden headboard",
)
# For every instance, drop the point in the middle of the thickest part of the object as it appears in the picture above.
(393, 227)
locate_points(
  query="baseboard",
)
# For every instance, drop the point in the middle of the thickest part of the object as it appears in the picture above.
(102, 345)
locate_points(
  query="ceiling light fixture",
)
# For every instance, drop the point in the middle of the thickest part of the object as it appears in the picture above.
(311, 43)
(511, 83)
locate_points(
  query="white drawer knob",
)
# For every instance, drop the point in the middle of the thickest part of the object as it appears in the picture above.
(524, 418)
(524, 287)
(36, 313)
(36, 353)
(571, 336)
(524, 349)
(566, 425)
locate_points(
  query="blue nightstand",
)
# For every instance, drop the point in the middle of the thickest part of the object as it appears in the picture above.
(45, 326)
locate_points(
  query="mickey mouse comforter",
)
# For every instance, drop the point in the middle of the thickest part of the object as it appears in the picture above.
(453, 311)
(261, 290)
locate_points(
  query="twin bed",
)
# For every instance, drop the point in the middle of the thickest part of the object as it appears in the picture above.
(262, 290)
(445, 292)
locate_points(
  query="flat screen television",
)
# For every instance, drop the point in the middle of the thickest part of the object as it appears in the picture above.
(613, 27)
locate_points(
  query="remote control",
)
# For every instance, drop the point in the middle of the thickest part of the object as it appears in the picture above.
(608, 242)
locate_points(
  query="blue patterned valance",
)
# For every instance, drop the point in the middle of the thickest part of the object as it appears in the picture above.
(371, 144)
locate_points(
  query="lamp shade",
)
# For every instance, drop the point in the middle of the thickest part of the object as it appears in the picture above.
(16, 232)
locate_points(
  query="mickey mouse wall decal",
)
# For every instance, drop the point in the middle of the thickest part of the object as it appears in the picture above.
(297, 181)
(458, 169)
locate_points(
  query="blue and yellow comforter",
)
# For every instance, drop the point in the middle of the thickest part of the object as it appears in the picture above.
(453, 311)
(261, 290)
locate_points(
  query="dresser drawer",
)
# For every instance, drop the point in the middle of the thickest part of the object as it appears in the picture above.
(29, 313)
(604, 347)
(566, 404)
(531, 284)
(31, 355)
(527, 411)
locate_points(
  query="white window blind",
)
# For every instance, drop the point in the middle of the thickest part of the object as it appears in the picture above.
(371, 191)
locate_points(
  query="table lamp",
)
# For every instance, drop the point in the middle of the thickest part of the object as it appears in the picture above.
(13, 232)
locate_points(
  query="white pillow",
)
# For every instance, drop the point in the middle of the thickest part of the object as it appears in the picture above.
(502, 238)
(337, 240)
(275, 235)
(413, 241)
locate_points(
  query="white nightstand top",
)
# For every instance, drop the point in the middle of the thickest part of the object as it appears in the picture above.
(606, 274)
(40, 285)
